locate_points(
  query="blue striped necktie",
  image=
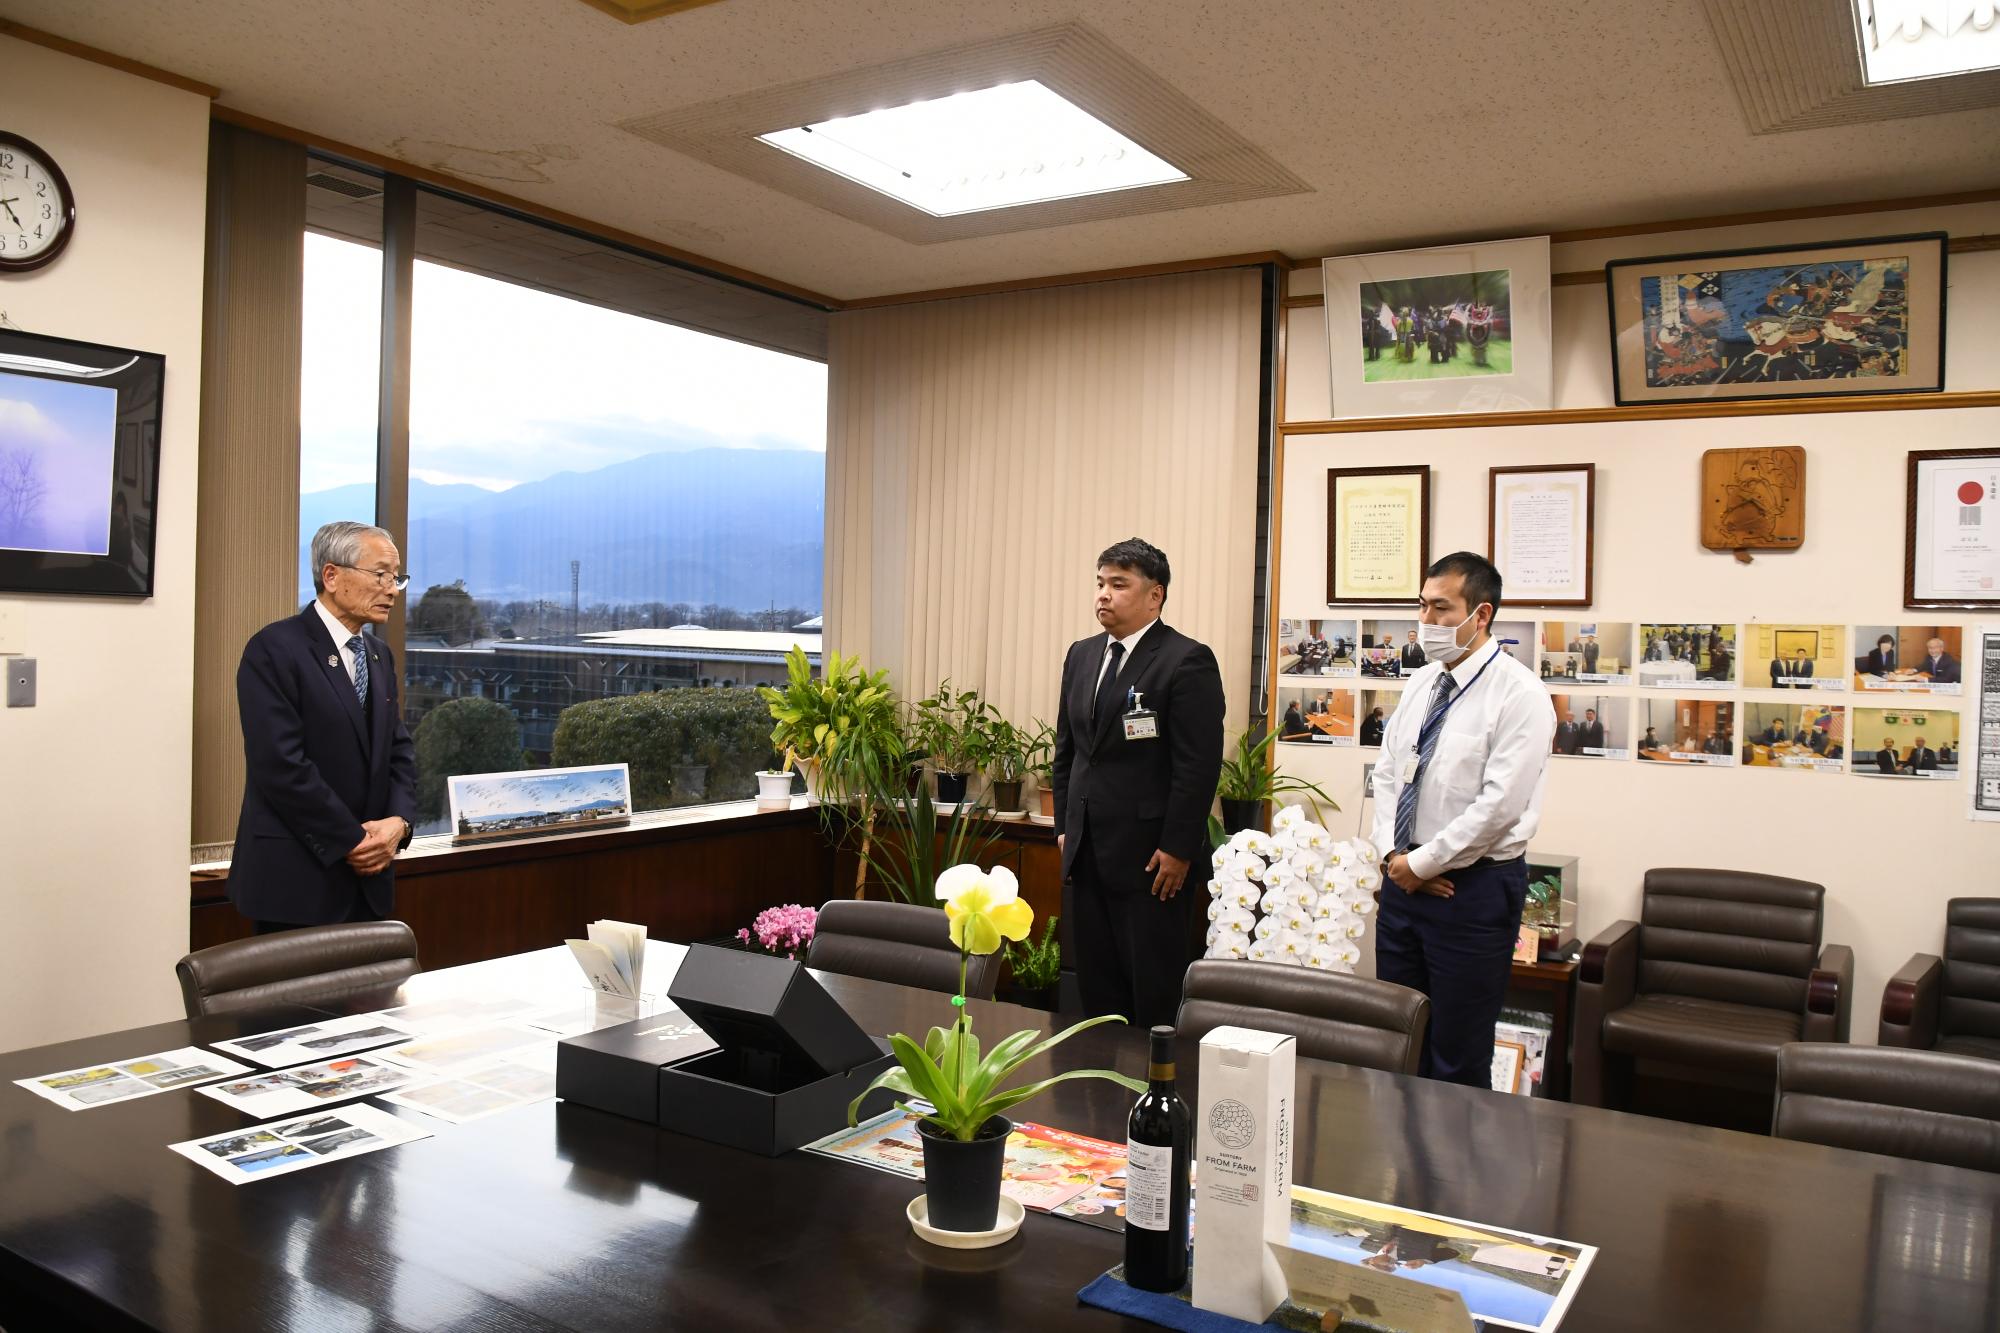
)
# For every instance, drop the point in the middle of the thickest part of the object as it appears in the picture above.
(1406, 799)
(359, 647)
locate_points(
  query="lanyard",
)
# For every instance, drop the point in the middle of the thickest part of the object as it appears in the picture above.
(1499, 646)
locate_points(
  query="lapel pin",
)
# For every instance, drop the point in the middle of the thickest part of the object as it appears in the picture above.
(332, 660)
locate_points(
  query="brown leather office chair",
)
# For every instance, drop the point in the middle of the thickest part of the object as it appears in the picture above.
(1950, 1004)
(900, 942)
(1724, 968)
(1344, 1019)
(1916, 1104)
(317, 963)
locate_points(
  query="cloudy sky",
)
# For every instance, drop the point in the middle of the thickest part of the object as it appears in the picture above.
(65, 434)
(511, 385)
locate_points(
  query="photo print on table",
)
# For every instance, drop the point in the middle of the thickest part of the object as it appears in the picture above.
(1318, 647)
(1586, 652)
(1807, 736)
(1912, 740)
(1687, 731)
(1909, 659)
(1684, 656)
(1590, 726)
(1389, 648)
(1795, 657)
(1315, 715)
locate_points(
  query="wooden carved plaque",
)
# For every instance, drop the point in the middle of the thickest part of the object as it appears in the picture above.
(1753, 499)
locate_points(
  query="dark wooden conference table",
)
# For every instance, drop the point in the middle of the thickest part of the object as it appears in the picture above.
(555, 1216)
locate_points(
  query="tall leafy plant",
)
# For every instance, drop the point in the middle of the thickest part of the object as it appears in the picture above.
(907, 843)
(845, 722)
(1248, 775)
(950, 727)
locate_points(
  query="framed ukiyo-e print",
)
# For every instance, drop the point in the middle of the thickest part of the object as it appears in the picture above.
(1846, 317)
(1378, 534)
(1459, 328)
(1951, 531)
(1540, 526)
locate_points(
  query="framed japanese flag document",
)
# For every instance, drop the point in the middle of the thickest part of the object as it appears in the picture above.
(1951, 550)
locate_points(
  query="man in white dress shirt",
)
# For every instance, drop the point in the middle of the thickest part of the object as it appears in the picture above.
(1458, 794)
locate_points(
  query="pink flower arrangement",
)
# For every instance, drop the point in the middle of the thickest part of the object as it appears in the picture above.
(784, 930)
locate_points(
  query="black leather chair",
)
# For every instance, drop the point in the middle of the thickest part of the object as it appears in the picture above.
(899, 942)
(1723, 968)
(1950, 1004)
(304, 966)
(1344, 1019)
(1916, 1104)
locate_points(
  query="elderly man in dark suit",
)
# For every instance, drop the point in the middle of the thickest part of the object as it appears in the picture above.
(1885, 758)
(329, 796)
(1137, 755)
(1938, 664)
(1412, 657)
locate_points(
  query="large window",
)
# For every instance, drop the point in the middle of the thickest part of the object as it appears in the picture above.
(615, 521)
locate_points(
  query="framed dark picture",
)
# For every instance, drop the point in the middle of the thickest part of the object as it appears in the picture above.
(1541, 532)
(1951, 530)
(77, 484)
(1847, 317)
(1378, 534)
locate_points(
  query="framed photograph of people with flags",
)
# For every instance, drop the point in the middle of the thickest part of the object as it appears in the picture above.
(1850, 317)
(1458, 328)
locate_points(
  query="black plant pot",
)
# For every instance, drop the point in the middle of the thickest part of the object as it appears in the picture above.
(962, 1180)
(1030, 997)
(1240, 815)
(1007, 795)
(951, 787)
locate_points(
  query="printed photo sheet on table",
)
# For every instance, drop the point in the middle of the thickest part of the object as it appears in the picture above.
(325, 1040)
(284, 1146)
(122, 1080)
(306, 1086)
(479, 1090)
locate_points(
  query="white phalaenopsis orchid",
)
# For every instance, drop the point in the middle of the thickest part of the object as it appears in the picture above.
(1295, 895)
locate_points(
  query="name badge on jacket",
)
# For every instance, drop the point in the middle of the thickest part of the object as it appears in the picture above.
(1141, 723)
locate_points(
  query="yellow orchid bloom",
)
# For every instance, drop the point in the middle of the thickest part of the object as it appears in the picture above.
(983, 907)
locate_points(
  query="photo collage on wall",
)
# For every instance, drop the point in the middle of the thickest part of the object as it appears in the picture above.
(1648, 691)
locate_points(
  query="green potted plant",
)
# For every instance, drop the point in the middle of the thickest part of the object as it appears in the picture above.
(1004, 748)
(1035, 967)
(1249, 783)
(964, 1134)
(1543, 910)
(947, 726)
(835, 729)
(906, 840)
(1040, 751)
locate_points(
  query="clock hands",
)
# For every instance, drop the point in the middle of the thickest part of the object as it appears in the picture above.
(5, 203)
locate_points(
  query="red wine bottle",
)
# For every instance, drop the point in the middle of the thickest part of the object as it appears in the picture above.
(1159, 1141)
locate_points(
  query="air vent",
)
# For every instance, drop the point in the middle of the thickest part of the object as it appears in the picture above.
(324, 180)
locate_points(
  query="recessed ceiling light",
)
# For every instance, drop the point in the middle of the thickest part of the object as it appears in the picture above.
(1018, 143)
(1903, 40)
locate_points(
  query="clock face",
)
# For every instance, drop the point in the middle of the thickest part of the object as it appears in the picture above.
(37, 214)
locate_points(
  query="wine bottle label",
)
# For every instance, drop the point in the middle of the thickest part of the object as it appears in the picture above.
(1149, 1185)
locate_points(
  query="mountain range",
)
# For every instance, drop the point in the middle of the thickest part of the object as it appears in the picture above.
(742, 528)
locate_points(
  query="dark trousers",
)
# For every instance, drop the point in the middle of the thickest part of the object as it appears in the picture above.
(1459, 951)
(1132, 950)
(361, 911)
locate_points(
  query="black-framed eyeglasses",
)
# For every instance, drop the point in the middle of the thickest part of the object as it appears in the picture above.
(396, 581)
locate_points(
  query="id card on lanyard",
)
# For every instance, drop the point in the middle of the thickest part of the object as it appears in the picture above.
(1413, 762)
(1141, 722)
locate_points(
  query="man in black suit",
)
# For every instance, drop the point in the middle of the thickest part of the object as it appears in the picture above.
(1591, 737)
(1938, 664)
(1565, 741)
(1412, 657)
(1137, 755)
(1715, 744)
(1371, 728)
(1921, 759)
(1882, 658)
(329, 795)
(1590, 655)
(1793, 674)
(1885, 758)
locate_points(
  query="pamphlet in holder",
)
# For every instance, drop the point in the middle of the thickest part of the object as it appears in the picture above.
(788, 1061)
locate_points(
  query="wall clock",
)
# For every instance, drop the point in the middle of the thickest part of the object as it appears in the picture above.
(37, 211)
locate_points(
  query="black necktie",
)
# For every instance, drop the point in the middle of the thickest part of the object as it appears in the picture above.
(1107, 689)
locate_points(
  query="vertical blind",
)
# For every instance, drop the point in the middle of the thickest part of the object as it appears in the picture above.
(982, 451)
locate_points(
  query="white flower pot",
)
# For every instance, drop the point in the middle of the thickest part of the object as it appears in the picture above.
(774, 791)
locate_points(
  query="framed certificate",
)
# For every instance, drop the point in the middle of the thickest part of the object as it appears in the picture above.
(1951, 535)
(1540, 530)
(1378, 534)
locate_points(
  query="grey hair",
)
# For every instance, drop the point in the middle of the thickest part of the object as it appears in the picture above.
(339, 543)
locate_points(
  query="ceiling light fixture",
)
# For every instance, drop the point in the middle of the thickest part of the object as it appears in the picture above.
(1902, 40)
(1018, 143)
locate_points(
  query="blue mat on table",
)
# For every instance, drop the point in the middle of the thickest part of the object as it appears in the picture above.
(1173, 1310)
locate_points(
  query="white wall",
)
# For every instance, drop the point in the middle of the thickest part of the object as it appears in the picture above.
(1890, 853)
(94, 780)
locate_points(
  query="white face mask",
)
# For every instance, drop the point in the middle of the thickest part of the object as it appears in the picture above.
(1440, 642)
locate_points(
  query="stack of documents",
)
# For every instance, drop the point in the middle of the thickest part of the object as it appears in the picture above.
(614, 957)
